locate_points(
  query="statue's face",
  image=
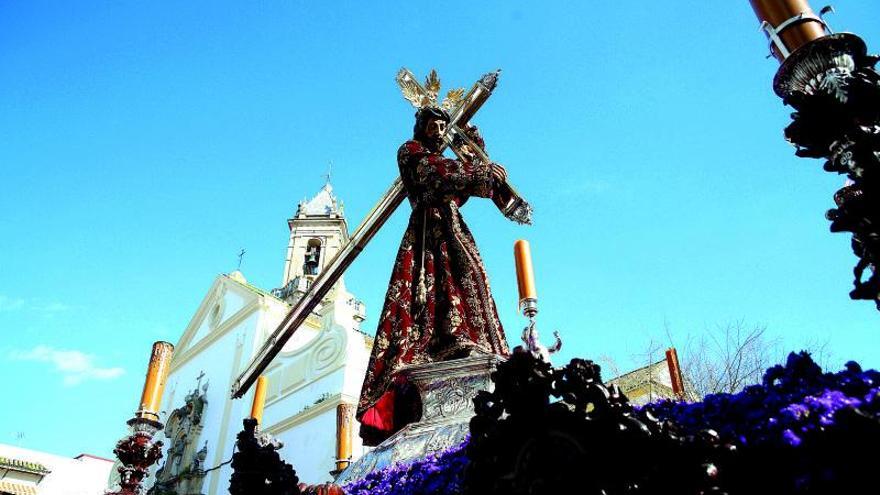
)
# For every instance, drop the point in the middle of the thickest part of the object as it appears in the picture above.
(434, 132)
(436, 128)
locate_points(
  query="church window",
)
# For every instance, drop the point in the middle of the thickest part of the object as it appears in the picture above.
(312, 258)
(216, 315)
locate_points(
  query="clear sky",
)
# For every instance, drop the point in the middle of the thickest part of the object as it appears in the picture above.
(143, 144)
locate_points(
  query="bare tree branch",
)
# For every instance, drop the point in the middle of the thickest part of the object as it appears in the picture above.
(727, 359)
(723, 359)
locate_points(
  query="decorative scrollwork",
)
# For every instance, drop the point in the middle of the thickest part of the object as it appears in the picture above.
(546, 429)
(136, 453)
(450, 398)
(835, 89)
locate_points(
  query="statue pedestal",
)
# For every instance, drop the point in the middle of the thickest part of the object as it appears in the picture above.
(447, 389)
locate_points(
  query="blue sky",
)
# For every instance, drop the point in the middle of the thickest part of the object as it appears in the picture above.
(142, 145)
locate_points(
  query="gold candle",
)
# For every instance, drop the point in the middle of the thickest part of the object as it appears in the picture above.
(154, 383)
(795, 34)
(525, 278)
(344, 423)
(259, 399)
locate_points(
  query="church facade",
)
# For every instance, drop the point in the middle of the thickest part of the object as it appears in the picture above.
(313, 384)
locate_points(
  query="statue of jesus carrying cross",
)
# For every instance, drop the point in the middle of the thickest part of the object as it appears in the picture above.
(438, 305)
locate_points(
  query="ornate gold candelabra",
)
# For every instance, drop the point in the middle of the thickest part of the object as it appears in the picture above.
(138, 451)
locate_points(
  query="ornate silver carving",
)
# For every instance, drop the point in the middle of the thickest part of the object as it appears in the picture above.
(521, 213)
(490, 80)
(806, 70)
(447, 389)
(533, 343)
(409, 448)
(445, 437)
(450, 398)
(842, 156)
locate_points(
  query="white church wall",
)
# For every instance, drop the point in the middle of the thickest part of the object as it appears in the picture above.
(307, 448)
(202, 332)
(357, 357)
(205, 327)
(281, 411)
(218, 307)
(234, 300)
(300, 339)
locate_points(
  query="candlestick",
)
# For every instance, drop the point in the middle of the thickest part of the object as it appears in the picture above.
(259, 399)
(525, 278)
(789, 24)
(344, 422)
(154, 383)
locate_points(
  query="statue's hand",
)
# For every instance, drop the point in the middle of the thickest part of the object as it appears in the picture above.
(473, 132)
(468, 153)
(499, 172)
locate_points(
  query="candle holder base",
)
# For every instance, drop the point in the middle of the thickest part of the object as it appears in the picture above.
(137, 452)
(528, 307)
(807, 68)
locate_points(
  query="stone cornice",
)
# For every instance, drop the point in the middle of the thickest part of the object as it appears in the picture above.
(25, 466)
(328, 404)
(300, 385)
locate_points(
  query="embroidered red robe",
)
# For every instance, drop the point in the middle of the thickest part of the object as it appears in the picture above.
(458, 317)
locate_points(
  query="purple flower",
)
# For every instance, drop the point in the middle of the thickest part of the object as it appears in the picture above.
(436, 473)
(796, 397)
(791, 438)
(795, 412)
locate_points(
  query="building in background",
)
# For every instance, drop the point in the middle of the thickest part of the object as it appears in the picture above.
(646, 384)
(313, 384)
(31, 472)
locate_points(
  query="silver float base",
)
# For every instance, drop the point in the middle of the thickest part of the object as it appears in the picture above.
(447, 390)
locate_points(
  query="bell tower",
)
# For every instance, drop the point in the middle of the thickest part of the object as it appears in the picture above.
(318, 231)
